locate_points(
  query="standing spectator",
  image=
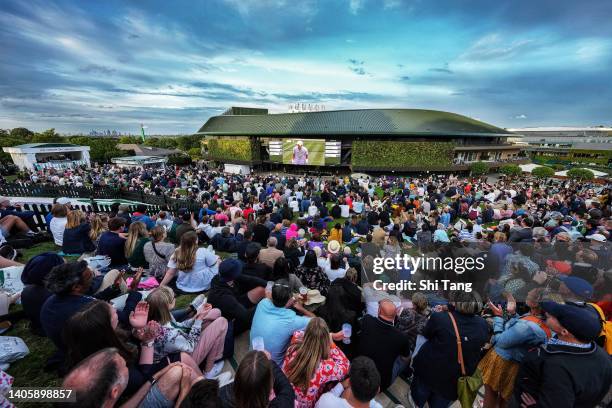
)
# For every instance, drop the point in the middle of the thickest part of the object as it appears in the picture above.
(381, 341)
(436, 367)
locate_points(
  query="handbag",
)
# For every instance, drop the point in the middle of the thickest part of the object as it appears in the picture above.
(467, 386)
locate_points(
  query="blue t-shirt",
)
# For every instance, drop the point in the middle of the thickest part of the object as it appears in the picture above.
(276, 325)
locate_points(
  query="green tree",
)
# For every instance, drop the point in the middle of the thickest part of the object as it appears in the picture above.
(479, 168)
(511, 170)
(25, 135)
(580, 174)
(195, 153)
(100, 149)
(543, 172)
(129, 140)
(48, 136)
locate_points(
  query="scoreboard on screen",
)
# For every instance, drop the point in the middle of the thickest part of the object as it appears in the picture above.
(305, 152)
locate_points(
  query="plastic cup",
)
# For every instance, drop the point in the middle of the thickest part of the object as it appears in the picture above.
(304, 293)
(269, 286)
(347, 331)
(258, 343)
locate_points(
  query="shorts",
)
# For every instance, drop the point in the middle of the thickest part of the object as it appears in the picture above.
(155, 399)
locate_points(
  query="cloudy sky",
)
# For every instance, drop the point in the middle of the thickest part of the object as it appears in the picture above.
(78, 66)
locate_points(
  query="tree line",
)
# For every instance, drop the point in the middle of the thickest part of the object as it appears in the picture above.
(102, 149)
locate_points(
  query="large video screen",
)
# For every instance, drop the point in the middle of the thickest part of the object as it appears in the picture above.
(305, 152)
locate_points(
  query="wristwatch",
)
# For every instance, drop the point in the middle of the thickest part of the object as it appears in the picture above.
(148, 344)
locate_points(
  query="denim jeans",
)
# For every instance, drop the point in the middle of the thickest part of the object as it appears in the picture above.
(421, 394)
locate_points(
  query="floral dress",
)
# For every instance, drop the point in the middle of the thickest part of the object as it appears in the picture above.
(313, 278)
(333, 369)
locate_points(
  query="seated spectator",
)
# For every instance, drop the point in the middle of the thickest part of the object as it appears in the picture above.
(236, 294)
(112, 243)
(313, 361)
(225, 241)
(69, 285)
(270, 254)
(76, 240)
(275, 322)
(99, 225)
(253, 267)
(278, 233)
(14, 220)
(202, 337)
(34, 293)
(335, 267)
(98, 323)
(101, 379)
(335, 234)
(140, 216)
(311, 274)
(282, 270)
(187, 225)
(57, 225)
(257, 379)
(261, 233)
(241, 246)
(293, 252)
(163, 220)
(193, 267)
(385, 344)
(411, 321)
(136, 239)
(292, 232)
(357, 390)
(570, 370)
(202, 394)
(157, 253)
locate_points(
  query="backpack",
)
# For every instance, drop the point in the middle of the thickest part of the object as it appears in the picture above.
(605, 337)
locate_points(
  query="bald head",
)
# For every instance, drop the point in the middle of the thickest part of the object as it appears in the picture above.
(387, 310)
(99, 380)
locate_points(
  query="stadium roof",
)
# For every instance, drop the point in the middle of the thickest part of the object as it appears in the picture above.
(45, 145)
(396, 122)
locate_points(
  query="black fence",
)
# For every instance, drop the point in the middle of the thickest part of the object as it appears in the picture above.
(155, 203)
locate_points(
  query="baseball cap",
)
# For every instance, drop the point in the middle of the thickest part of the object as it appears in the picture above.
(230, 269)
(583, 323)
(578, 286)
(597, 237)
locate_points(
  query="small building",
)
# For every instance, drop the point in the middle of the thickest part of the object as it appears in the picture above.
(36, 156)
(140, 161)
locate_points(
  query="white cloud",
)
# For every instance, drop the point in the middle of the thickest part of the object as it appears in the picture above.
(355, 6)
(492, 46)
(521, 116)
(391, 4)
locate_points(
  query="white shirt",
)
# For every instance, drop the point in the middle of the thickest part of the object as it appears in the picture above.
(344, 211)
(312, 210)
(333, 399)
(198, 278)
(333, 274)
(57, 227)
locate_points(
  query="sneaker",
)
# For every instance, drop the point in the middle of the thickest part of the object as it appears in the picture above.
(224, 378)
(215, 371)
(198, 301)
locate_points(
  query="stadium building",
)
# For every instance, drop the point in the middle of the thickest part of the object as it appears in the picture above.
(403, 140)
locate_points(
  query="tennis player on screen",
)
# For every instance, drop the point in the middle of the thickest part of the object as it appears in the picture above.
(300, 154)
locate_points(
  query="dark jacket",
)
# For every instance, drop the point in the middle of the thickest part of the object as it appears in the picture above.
(226, 243)
(233, 301)
(77, 241)
(521, 235)
(293, 256)
(280, 239)
(33, 298)
(261, 234)
(113, 246)
(383, 343)
(436, 363)
(564, 376)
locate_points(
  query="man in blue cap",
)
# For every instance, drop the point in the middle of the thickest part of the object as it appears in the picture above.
(236, 294)
(570, 370)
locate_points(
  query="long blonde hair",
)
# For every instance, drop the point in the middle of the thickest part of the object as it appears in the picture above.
(136, 231)
(74, 218)
(309, 352)
(99, 224)
(185, 254)
(159, 304)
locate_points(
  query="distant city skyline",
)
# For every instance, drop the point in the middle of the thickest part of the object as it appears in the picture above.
(78, 66)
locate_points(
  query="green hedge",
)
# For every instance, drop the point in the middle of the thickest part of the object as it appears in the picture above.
(232, 149)
(390, 154)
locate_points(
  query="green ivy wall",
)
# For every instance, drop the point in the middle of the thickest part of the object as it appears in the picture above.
(397, 155)
(242, 150)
